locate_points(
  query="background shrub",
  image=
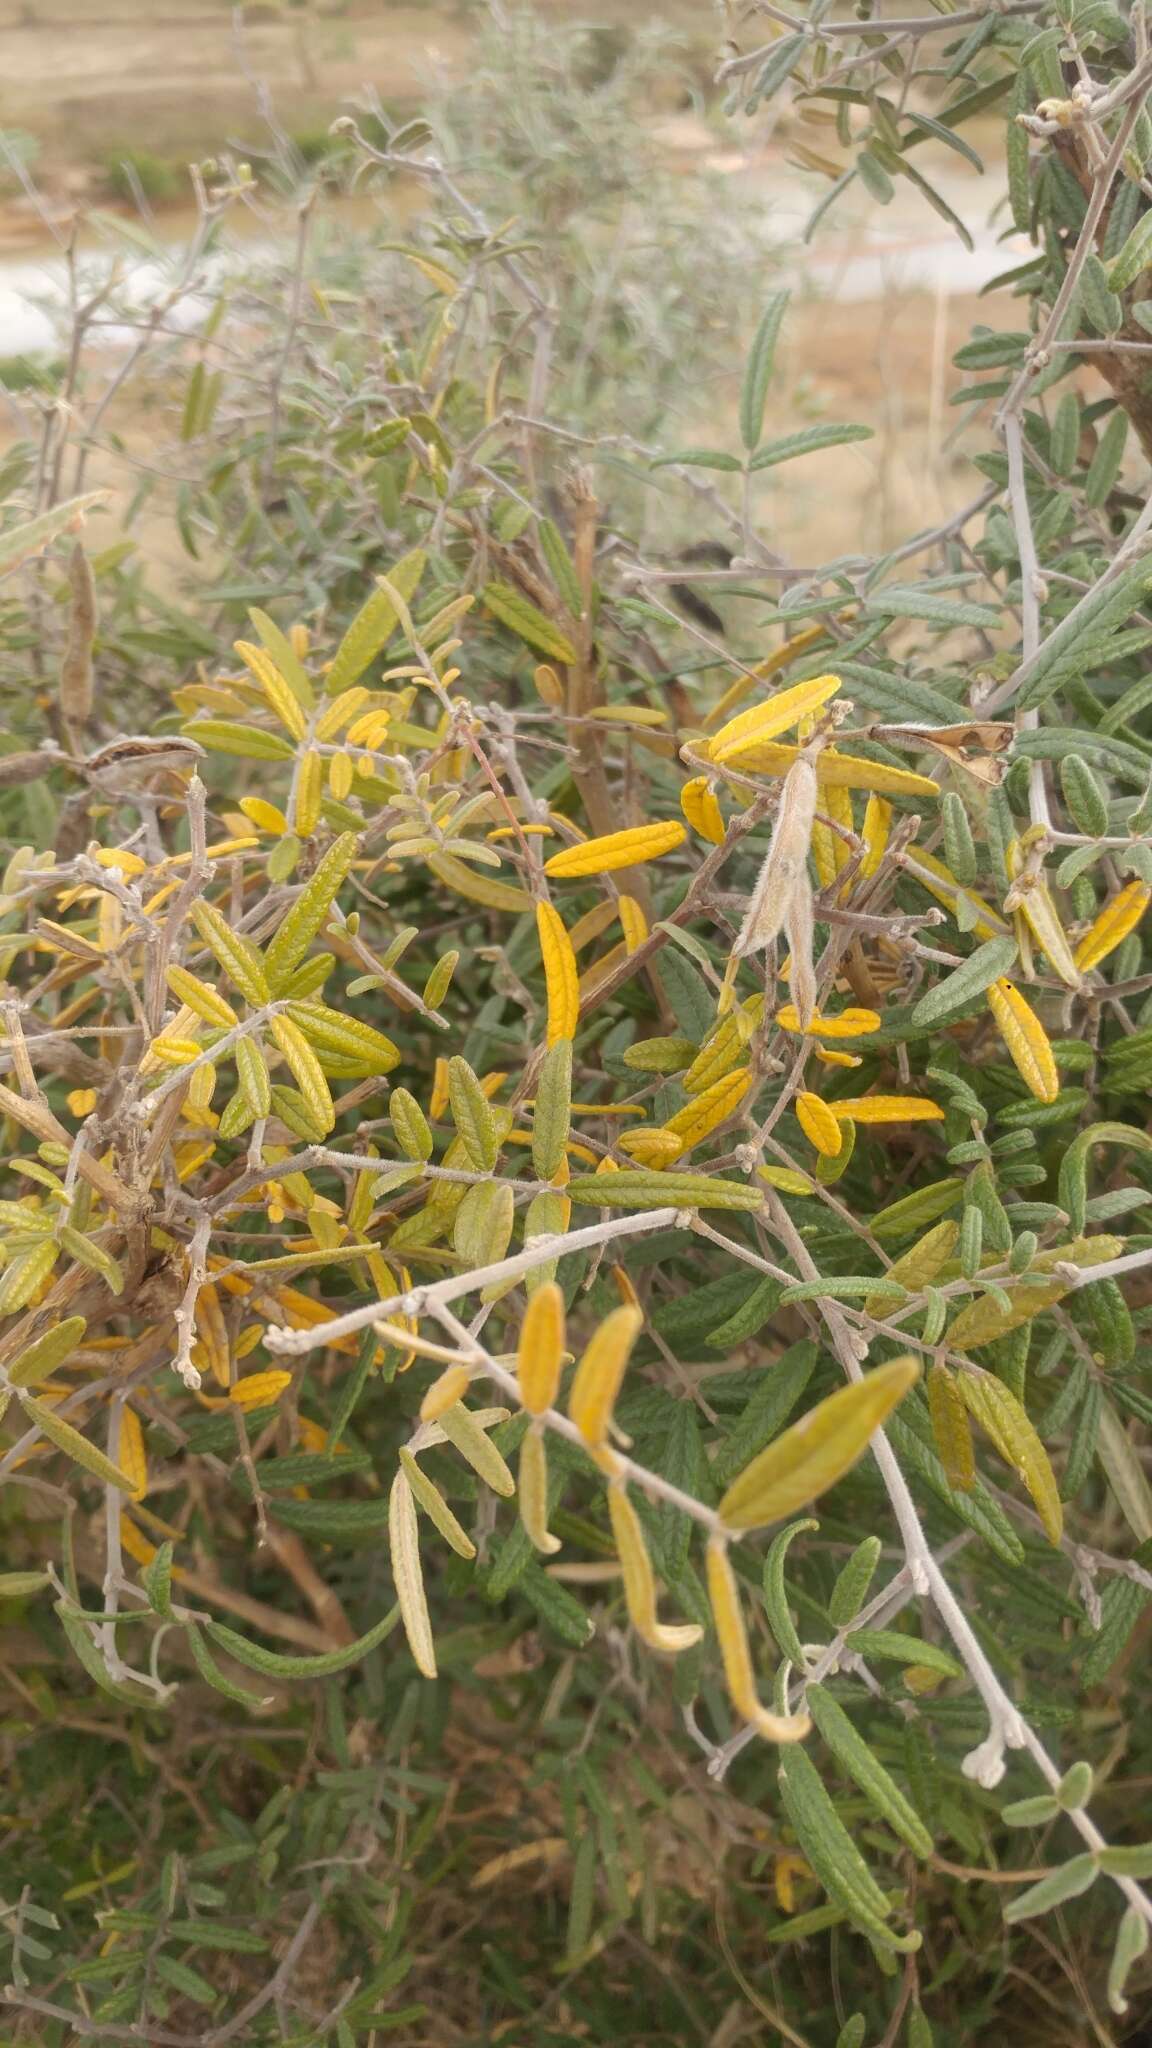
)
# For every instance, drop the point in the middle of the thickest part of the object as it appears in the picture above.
(329, 986)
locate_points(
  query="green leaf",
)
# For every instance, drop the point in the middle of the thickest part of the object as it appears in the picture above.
(776, 1593)
(156, 1579)
(1130, 1860)
(555, 553)
(1067, 1882)
(374, 624)
(776, 1391)
(39, 1359)
(18, 1585)
(299, 926)
(976, 1508)
(830, 1850)
(530, 625)
(698, 458)
(1030, 1813)
(1131, 1944)
(74, 1445)
(1073, 1180)
(1135, 256)
(806, 442)
(275, 1665)
(852, 1583)
(1078, 641)
(636, 1189)
(893, 601)
(912, 1212)
(893, 1647)
(20, 543)
(992, 960)
(758, 370)
(863, 1766)
(246, 742)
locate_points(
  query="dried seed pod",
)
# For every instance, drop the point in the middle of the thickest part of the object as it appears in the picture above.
(776, 885)
(75, 691)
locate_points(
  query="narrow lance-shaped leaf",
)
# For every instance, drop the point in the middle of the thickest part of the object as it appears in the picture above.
(816, 1451)
(1003, 1418)
(758, 370)
(75, 1446)
(404, 1545)
(374, 624)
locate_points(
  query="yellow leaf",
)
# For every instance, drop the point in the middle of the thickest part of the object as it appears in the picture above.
(818, 1124)
(131, 1453)
(787, 1180)
(532, 1492)
(259, 1389)
(775, 715)
(950, 1428)
(435, 1506)
(640, 1581)
(875, 833)
(830, 850)
(309, 792)
(265, 816)
(201, 997)
(561, 978)
(920, 1264)
(600, 1372)
(465, 1431)
(74, 1445)
(176, 1052)
(1030, 897)
(616, 850)
(770, 666)
(712, 1107)
(306, 1071)
(404, 1545)
(633, 922)
(1114, 923)
(1026, 1039)
(478, 888)
(282, 699)
(541, 1349)
(1005, 1420)
(700, 807)
(723, 1046)
(651, 1147)
(836, 770)
(886, 1109)
(736, 1656)
(847, 1024)
(817, 1450)
(444, 1392)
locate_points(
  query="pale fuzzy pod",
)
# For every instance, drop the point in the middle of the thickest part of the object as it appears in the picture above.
(776, 887)
(801, 932)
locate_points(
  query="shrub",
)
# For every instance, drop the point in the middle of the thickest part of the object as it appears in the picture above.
(440, 1245)
(130, 173)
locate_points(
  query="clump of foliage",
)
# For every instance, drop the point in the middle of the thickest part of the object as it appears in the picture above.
(510, 1096)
